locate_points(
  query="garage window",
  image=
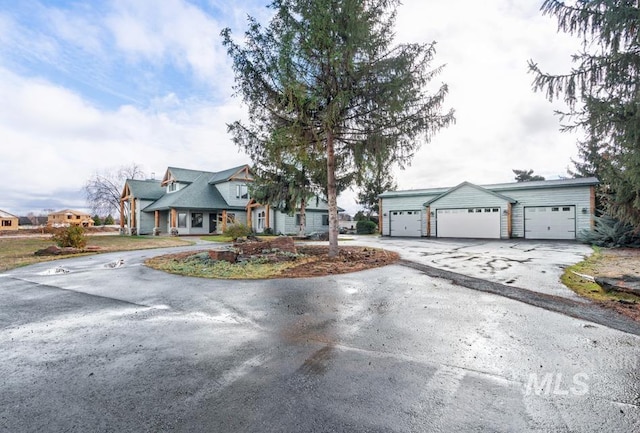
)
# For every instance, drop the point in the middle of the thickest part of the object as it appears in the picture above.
(566, 209)
(555, 209)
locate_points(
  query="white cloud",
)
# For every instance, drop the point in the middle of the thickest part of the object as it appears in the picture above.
(57, 129)
(171, 31)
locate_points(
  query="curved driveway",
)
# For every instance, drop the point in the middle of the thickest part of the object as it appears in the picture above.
(105, 344)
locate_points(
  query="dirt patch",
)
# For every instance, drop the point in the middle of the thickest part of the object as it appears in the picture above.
(350, 259)
(617, 263)
(309, 261)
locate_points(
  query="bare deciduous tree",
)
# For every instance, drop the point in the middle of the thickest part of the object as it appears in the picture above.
(103, 189)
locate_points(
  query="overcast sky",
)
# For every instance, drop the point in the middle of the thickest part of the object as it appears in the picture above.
(91, 86)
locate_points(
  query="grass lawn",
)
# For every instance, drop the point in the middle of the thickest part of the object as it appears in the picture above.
(19, 251)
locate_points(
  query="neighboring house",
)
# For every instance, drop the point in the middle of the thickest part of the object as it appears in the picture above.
(30, 221)
(69, 217)
(193, 202)
(8, 221)
(552, 209)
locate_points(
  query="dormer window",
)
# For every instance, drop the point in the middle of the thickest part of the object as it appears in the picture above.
(173, 186)
(242, 192)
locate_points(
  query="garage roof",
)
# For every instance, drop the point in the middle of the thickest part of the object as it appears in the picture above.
(498, 187)
(479, 188)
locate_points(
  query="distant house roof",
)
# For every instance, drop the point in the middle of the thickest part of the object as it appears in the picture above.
(70, 211)
(196, 195)
(4, 214)
(499, 187)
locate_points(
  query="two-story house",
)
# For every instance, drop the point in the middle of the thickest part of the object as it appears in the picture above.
(69, 217)
(194, 202)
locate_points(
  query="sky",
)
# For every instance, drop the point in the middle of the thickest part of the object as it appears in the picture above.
(89, 87)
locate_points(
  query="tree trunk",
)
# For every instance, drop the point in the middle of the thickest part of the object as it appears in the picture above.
(303, 218)
(332, 197)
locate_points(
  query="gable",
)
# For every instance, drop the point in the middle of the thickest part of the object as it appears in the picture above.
(469, 195)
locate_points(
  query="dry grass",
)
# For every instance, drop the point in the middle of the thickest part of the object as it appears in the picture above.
(19, 251)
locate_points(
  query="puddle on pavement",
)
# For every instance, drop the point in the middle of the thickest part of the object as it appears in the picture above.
(55, 271)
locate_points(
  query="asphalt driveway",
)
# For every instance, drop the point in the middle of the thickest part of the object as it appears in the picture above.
(102, 343)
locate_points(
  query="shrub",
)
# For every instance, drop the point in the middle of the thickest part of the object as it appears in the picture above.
(237, 230)
(72, 236)
(108, 220)
(366, 227)
(267, 231)
(609, 232)
(97, 220)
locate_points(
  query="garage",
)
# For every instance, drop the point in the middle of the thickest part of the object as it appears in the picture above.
(406, 223)
(481, 223)
(550, 222)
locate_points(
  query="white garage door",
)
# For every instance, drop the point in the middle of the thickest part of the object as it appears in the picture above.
(468, 223)
(550, 222)
(405, 223)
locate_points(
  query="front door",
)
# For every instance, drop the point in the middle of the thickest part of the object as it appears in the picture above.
(213, 223)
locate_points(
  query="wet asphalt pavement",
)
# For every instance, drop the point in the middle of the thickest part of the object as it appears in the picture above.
(112, 346)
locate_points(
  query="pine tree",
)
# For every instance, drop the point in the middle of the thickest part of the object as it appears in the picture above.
(325, 75)
(602, 93)
(526, 176)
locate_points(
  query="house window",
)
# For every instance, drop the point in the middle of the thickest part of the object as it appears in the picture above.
(182, 219)
(261, 220)
(6, 223)
(555, 209)
(242, 191)
(325, 220)
(173, 186)
(68, 217)
(197, 219)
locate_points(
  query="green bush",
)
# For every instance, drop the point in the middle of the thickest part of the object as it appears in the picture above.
(97, 221)
(72, 236)
(108, 220)
(609, 232)
(366, 227)
(237, 230)
(268, 231)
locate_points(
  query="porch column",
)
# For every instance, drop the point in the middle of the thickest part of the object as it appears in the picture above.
(173, 218)
(249, 212)
(224, 220)
(133, 213)
(121, 214)
(266, 221)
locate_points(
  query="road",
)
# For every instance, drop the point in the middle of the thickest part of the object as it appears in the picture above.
(107, 345)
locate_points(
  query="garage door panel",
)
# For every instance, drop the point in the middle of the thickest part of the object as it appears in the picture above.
(550, 222)
(468, 223)
(406, 223)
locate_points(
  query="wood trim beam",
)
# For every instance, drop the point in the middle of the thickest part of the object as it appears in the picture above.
(174, 217)
(121, 214)
(592, 205)
(429, 221)
(509, 220)
(380, 217)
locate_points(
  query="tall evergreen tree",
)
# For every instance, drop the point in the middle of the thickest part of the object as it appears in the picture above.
(526, 175)
(325, 73)
(603, 95)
